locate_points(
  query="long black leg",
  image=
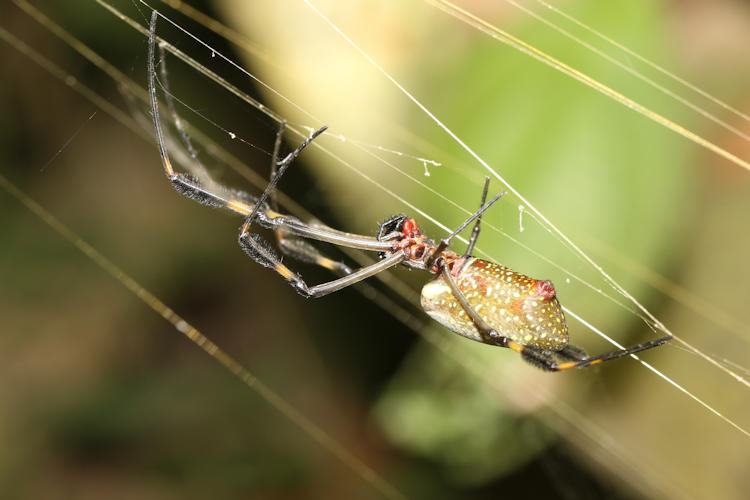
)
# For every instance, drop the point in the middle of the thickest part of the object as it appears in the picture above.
(593, 360)
(260, 252)
(447, 240)
(478, 224)
(572, 352)
(239, 202)
(288, 242)
(253, 244)
(173, 110)
(322, 233)
(302, 250)
(283, 165)
(273, 220)
(185, 184)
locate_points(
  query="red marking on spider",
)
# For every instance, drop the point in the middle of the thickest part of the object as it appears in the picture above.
(545, 289)
(410, 228)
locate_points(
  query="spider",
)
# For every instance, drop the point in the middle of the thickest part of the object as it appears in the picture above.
(478, 299)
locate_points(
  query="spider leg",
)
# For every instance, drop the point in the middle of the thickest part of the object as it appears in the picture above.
(288, 243)
(253, 244)
(283, 165)
(302, 250)
(185, 184)
(447, 240)
(542, 358)
(173, 110)
(572, 352)
(478, 224)
(292, 226)
(261, 252)
(593, 360)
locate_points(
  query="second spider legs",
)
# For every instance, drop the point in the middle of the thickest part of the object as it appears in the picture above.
(285, 226)
(259, 251)
(289, 243)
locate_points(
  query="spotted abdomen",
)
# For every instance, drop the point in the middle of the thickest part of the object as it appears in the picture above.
(516, 306)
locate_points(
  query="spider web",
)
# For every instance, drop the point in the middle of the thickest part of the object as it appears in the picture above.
(601, 435)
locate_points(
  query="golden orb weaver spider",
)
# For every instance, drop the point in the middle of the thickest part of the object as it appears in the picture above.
(475, 298)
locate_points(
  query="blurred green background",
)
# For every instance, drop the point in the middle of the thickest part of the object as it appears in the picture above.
(100, 397)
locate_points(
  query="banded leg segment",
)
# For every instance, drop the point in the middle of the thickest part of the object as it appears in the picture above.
(260, 252)
(185, 184)
(572, 352)
(176, 120)
(447, 240)
(288, 242)
(303, 251)
(290, 231)
(594, 360)
(293, 226)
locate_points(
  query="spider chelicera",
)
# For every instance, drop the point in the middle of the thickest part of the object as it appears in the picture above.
(475, 298)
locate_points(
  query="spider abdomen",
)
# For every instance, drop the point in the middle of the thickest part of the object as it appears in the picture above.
(523, 309)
